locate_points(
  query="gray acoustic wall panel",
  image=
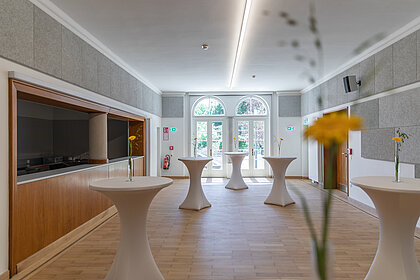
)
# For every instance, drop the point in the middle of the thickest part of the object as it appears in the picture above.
(124, 91)
(405, 60)
(47, 44)
(289, 106)
(393, 67)
(32, 38)
(139, 93)
(16, 32)
(376, 144)
(71, 61)
(89, 67)
(304, 104)
(132, 94)
(418, 55)
(334, 96)
(324, 95)
(172, 107)
(410, 148)
(369, 112)
(115, 81)
(367, 77)
(383, 70)
(147, 99)
(401, 109)
(104, 75)
(417, 170)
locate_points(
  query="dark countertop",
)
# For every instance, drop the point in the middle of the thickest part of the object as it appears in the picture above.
(62, 171)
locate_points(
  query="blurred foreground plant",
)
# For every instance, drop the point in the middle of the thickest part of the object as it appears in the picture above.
(330, 131)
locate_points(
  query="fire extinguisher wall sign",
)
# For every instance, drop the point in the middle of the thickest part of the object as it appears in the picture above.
(166, 134)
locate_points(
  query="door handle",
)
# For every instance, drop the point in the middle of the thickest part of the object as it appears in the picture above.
(252, 152)
(211, 152)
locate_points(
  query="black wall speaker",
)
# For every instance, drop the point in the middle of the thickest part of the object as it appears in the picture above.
(350, 83)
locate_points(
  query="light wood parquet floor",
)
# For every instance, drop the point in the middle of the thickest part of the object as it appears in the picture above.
(238, 238)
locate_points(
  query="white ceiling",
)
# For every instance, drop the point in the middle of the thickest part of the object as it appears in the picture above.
(161, 39)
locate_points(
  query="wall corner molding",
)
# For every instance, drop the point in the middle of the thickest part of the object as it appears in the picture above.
(60, 16)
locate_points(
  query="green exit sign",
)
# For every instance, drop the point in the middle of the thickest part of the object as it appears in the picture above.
(290, 128)
(173, 129)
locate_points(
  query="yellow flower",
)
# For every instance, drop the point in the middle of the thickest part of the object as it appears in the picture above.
(333, 128)
(234, 138)
(131, 138)
(195, 138)
(281, 139)
(397, 139)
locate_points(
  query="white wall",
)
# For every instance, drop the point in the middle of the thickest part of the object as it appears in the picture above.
(176, 139)
(312, 150)
(6, 66)
(292, 144)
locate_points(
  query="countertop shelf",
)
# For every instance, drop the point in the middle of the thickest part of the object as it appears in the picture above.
(27, 178)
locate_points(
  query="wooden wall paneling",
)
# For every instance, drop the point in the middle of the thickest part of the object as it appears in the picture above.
(12, 174)
(31, 263)
(139, 166)
(139, 145)
(43, 211)
(125, 116)
(119, 169)
(49, 209)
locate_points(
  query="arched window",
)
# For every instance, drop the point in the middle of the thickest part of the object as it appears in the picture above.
(251, 106)
(209, 106)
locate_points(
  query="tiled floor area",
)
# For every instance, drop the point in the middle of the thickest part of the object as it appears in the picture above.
(238, 238)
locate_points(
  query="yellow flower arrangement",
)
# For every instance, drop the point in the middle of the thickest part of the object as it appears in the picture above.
(333, 128)
(397, 139)
(132, 138)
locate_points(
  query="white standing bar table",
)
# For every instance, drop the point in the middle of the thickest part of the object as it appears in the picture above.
(196, 199)
(134, 258)
(279, 194)
(236, 181)
(398, 208)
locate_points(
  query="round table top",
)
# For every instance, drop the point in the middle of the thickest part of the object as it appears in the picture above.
(386, 183)
(277, 157)
(236, 153)
(195, 158)
(140, 183)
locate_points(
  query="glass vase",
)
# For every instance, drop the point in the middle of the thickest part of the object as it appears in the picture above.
(397, 166)
(195, 151)
(130, 169)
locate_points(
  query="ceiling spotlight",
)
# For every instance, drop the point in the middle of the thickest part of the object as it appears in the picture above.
(205, 47)
(253, 76)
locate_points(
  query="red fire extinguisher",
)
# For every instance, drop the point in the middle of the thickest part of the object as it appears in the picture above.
(166, 161)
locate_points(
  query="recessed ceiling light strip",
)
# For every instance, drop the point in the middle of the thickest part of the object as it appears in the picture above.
(241, 40)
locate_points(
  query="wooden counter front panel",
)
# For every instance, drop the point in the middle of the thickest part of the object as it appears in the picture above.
(49, 209)
(120, 169)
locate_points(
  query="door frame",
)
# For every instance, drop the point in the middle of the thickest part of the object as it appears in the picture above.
(324, 156)
(251, 172)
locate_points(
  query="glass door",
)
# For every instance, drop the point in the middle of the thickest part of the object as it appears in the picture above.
(209, 135)
(252, 139)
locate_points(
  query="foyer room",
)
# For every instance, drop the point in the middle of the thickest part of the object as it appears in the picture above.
(210, 140)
